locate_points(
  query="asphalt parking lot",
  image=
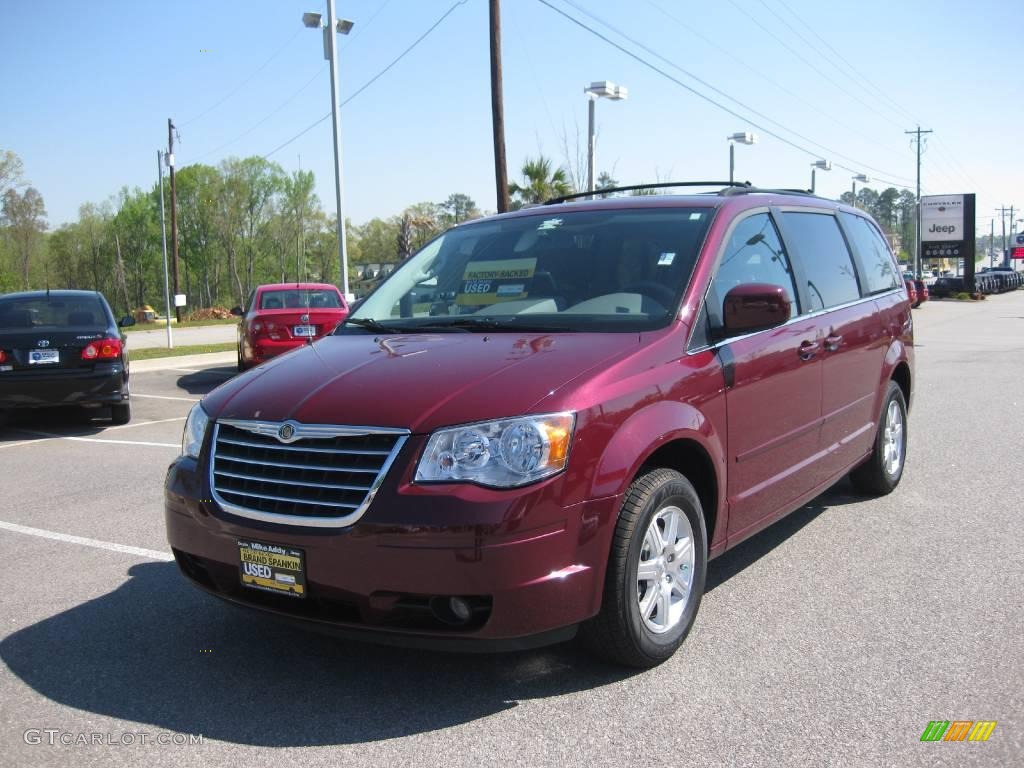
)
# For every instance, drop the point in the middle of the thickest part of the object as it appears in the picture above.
(832, 638)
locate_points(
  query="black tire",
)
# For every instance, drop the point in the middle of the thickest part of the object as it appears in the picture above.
(873, 477)
(121, 413)
(618, 632)
(241, 362)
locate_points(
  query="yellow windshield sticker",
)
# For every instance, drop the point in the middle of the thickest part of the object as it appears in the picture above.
(488, 282)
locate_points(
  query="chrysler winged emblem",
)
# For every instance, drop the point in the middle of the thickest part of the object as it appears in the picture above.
(286, 432)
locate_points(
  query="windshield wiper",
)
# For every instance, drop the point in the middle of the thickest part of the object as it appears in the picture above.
(490, 324)
(371, 325)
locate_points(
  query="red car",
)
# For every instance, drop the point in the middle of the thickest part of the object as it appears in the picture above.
(911, 292)
(922, 292)
(597, 398)
(280, 317)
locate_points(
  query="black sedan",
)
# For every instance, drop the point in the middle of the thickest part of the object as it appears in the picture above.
(62, 348)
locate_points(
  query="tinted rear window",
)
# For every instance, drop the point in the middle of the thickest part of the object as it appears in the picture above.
(299, 298)
(53, 312)
(875, 258)
(827, 265)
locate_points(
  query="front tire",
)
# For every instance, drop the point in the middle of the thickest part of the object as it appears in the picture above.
(656, 573)
(881, 473)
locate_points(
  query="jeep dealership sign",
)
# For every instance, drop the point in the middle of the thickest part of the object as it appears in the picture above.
(947, 230)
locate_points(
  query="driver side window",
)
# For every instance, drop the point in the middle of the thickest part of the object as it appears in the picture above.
(753, 254)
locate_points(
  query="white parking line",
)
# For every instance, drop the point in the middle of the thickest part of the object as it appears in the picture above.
(167, 397)
(152, 554)
(47, 436)
(146, 423)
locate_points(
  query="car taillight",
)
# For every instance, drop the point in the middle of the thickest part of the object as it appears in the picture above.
(102, 349)
(263, 328)
(3, 356)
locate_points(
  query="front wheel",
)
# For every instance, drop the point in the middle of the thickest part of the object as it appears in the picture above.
(882, 471)
(656, 573)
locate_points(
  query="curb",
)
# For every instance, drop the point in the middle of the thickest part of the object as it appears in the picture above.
(183, 361)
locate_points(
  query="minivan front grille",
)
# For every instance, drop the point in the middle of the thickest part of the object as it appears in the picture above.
(300, 474)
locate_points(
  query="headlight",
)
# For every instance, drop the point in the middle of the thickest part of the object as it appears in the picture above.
(195, 430)
(501, 454)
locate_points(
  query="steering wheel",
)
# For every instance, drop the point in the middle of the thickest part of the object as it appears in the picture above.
(660, 293)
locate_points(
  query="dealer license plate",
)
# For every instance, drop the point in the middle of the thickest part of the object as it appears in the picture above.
(304, 330)
(272, 568)
(43, 356)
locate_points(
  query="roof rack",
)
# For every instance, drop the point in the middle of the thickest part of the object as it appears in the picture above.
(727, 189)
(731, 187)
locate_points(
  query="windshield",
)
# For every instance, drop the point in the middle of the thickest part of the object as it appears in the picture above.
(299, 298)
(618, 270)
(52, 312)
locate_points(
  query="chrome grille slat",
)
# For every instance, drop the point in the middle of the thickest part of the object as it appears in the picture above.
(311, 467)
(250, 494)
(239, 476)
(297, 448)
(325, 476)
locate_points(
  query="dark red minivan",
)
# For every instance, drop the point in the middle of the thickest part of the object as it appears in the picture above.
(547, 422)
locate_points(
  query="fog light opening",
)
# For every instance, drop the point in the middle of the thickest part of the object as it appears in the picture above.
(451, 610)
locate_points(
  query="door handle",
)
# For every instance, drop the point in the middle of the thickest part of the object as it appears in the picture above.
(832, 343)
(809, 349)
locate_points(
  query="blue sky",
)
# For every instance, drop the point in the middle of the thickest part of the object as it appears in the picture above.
(88, 88)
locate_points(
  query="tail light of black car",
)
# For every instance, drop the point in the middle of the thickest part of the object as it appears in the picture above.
(3, 356)
(102, 349)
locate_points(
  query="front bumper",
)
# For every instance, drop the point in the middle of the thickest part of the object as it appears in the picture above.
(534, 569)
(104, 384)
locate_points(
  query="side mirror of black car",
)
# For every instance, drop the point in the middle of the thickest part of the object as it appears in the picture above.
(754, 307)
(237, 311)
(125, 321)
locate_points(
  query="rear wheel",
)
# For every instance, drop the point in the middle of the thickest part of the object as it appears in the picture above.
(241, 362)
(121, 413)
(881, 473)
(656, 573)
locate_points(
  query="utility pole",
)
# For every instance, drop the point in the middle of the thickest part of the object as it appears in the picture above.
(992, 244)
(917, 249)
(498, 110)
(1006, 245)
(339, 189)
(163, 234)
(174, 215)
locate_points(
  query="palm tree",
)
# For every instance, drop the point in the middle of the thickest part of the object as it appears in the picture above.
(540, 182)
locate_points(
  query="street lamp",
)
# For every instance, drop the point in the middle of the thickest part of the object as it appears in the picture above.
(343, 27)
(825, 165)
(738, 138)
(606, 90)
(861, 178)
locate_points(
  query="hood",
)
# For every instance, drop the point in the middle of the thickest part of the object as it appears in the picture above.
(418, 382)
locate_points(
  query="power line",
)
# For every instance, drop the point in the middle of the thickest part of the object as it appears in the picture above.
(371, 81)
(245, 82)
(256, 125)
(708, 99)
(717, 90)
(760, 73)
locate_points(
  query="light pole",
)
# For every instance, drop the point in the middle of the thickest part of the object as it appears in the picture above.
(738, 138)
(163, 234)
(602, 89)
(825, 165)
(343, 26)
(863, 180)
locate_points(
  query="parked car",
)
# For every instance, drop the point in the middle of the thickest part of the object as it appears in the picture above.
(947, 287)
(602, 396)
(280, 317)
(922, 293)
(911, 288)
(63, 348)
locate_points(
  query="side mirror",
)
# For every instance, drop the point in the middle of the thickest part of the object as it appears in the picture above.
(754, 307)
(125, 321)
(237, 311)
